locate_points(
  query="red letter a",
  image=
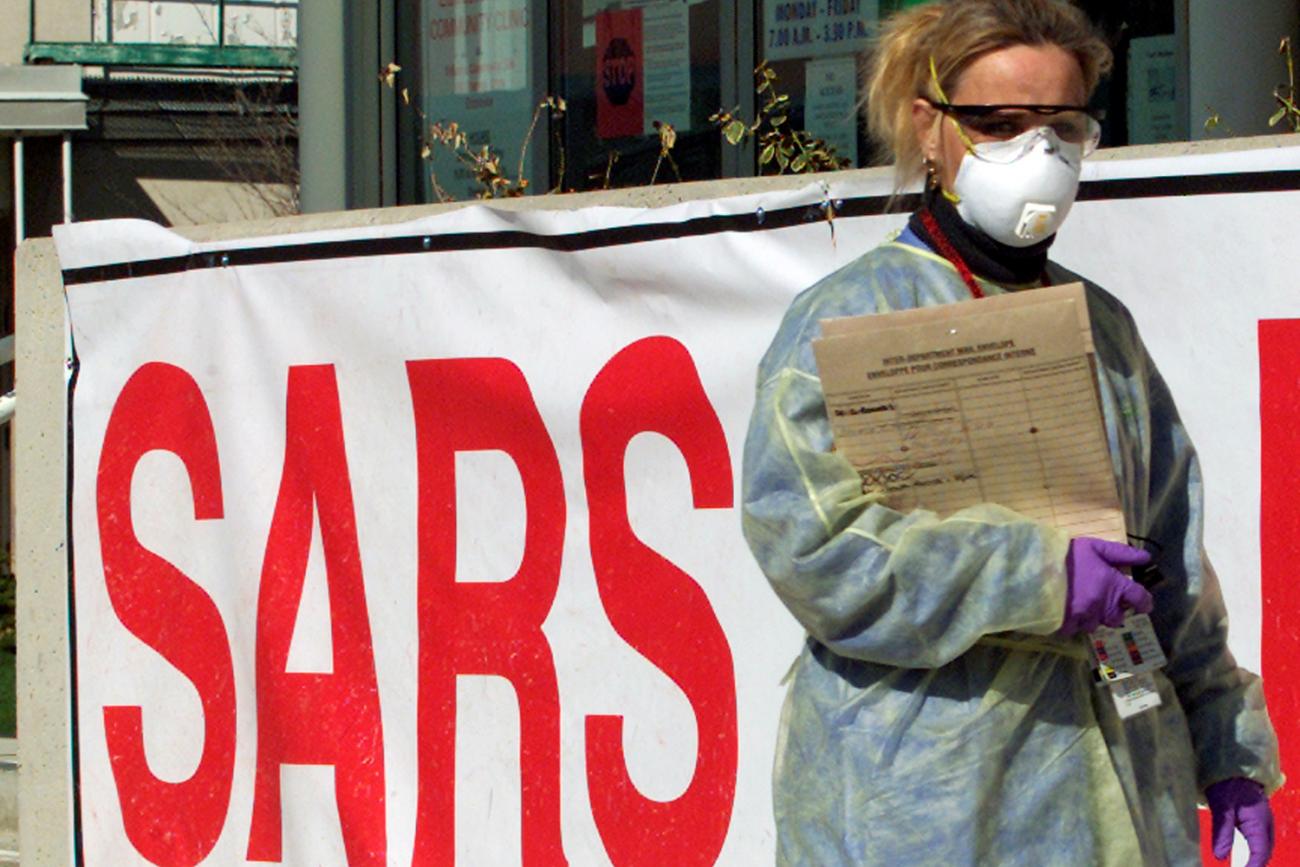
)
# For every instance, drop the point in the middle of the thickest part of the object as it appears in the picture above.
(317, 719)
(477, 404)
(161, 407)
(657, 608)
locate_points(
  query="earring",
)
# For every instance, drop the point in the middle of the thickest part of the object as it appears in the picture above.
(931, 172)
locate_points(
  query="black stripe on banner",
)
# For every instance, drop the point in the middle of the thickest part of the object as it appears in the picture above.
(758, 221)
(1191, 185)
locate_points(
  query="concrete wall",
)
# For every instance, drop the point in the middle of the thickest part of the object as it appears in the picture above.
(60, 20)
(40, 429)
(13, 34)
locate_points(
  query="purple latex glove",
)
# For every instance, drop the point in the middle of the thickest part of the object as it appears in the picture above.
(1240, 804)
(1097, 593)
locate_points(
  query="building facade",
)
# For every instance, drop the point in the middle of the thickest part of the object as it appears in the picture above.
(183, 103)
(623, 69)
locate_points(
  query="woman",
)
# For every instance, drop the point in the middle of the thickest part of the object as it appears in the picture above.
(943, 710)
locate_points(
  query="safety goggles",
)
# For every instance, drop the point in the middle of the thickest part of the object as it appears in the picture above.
(1071, 124)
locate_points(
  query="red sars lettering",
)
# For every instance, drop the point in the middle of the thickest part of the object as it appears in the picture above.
(465, 628)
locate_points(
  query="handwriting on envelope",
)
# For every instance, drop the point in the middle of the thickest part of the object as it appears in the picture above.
(988, 401)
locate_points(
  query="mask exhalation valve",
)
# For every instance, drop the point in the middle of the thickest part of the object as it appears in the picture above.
(1036, 221)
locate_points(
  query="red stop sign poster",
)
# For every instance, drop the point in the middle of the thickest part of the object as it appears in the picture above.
(620, 74)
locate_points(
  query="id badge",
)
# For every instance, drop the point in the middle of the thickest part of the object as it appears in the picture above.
(1134, 693)
(1125, 657)
(1129, 649)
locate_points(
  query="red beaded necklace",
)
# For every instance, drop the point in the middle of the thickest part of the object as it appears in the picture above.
(950, 252)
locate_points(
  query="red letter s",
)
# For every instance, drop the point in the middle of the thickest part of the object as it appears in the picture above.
(657, 608)
(161, 407)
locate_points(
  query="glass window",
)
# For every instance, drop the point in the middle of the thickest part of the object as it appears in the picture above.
(1140, 95)
(815, 47)
(624, 66)
(478, 67)
(196, 22)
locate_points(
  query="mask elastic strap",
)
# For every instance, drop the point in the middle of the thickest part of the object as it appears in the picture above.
(961, 133)
(938, 88)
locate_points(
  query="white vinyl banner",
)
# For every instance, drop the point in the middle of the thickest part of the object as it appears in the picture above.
(420, 544)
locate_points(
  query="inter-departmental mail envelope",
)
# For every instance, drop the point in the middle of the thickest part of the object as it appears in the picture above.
(989, 401)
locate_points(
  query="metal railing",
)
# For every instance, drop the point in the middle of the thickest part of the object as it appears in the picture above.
(110, 53)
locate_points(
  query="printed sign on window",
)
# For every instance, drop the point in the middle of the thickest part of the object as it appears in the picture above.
(815, 28)
(620, 78)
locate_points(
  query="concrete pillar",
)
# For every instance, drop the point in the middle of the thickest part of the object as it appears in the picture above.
(41, 558)
(346, 115)
(322, 125)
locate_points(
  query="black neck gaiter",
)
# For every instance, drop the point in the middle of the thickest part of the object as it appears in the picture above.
(989, 259)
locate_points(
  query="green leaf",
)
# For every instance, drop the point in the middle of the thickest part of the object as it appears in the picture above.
(800, 163)
(766, 155)
(734, 131)
(1277, 116)
(777, 120)
(782, 160)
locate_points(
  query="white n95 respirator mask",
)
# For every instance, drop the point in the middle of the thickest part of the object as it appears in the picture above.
(1019, 191)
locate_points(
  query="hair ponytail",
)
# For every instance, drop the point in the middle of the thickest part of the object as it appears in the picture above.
(899, 72)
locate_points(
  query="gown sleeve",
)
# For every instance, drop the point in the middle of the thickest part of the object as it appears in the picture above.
(1224, 704)
(902, 589)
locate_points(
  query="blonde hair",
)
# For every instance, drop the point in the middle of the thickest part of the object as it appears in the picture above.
(954, 34)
